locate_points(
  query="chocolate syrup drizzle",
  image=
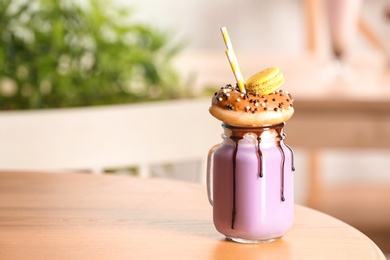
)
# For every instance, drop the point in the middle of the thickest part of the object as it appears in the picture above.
(237, 135)
(282, 172)
(236, 139)
(260, 156)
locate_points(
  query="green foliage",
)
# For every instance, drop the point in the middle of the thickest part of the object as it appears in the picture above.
(61, 54)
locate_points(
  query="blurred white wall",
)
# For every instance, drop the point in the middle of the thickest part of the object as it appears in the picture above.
(271, 26)
(268, 25)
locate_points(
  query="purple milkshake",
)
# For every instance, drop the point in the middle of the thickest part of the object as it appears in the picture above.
(252, 194)
(249, 175)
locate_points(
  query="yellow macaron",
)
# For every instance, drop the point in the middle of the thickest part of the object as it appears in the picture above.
(265, 82)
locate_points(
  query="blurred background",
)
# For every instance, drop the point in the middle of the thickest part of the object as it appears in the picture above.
(154, 58)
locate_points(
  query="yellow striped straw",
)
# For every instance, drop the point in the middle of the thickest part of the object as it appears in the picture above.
(236, 70)
(233, 60)
(226, 38)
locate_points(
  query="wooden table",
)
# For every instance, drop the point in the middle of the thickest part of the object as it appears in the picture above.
(81, 216)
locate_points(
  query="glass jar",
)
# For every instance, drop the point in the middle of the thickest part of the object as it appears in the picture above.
(250, 183)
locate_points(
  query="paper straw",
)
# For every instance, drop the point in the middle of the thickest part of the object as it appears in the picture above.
(226, 38)
(233, 60)
(236, 70)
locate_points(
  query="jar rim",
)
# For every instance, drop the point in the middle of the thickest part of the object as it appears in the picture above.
(265, 127)
(270, 132)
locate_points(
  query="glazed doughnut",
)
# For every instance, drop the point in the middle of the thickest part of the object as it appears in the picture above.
(238, 109)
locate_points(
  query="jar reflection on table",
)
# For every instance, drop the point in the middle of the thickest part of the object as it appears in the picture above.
(252, 184)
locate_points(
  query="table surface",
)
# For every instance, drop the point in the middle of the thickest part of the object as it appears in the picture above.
(82, 216)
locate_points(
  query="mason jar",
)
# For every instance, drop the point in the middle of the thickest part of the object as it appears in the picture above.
(250, 183)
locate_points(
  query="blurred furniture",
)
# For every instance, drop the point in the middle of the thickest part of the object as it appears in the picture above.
(346, 125)
(78, 216)
(94, 139)
(346, 115)
(315, 17)
(352, 113)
